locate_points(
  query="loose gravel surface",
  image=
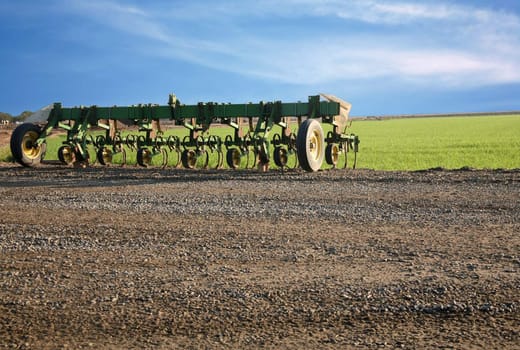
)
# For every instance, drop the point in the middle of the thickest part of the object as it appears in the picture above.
(146, 258)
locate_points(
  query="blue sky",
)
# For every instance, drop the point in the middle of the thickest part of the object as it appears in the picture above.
(385, 57)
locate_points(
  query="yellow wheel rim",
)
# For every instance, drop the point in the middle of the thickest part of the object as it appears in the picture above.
(29, 147)
(335, 154)
(283, 157)
(147, 156)
(315, 145)
(107, 156)
(66, 154)
(236, 158)
(192, 159)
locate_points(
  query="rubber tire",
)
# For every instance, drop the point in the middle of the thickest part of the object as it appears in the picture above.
(16, 143)
(280, 157)
(329, 154)
(142, 159)
(187, 157)
(231, 157)
(307, 129)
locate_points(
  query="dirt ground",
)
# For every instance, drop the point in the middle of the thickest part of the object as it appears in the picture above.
(5, 135)
(123, 258)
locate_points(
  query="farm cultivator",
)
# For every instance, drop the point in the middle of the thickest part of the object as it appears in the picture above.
(257, 133)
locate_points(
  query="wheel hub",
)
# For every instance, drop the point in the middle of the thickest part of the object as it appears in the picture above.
(29, 146)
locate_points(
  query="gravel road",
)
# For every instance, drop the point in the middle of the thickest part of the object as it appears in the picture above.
(147, 258)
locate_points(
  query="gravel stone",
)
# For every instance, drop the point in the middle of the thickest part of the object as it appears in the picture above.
(149, 258)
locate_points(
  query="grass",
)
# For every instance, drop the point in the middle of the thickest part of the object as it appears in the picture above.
(5, 154)
(483, 142)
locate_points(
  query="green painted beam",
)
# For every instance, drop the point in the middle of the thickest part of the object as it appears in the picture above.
(203, 112)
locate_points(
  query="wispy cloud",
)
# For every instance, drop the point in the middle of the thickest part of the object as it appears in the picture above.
(434, 43)
(127, 18)
(384, 12)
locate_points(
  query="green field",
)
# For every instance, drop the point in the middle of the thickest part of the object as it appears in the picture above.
(480, 142)
(484, 142)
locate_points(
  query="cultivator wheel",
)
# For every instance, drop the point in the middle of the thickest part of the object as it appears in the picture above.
(189, 159)
(281, 157)
(310, 145)
(332, 153)
(104, 156)
(24, 146)
(66, 155)
(144, 157)
(233, 158)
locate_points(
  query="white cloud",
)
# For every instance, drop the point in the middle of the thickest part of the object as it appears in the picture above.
(434, 43)
(449, 68)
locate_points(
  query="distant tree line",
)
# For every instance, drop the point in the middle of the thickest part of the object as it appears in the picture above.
(6, 116)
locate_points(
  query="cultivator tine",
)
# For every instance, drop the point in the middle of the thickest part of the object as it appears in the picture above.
(253, 139)
(118, 147)
(165, 158)
(345, 151)
(205, 158)
(123, 153)
(355, 148)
